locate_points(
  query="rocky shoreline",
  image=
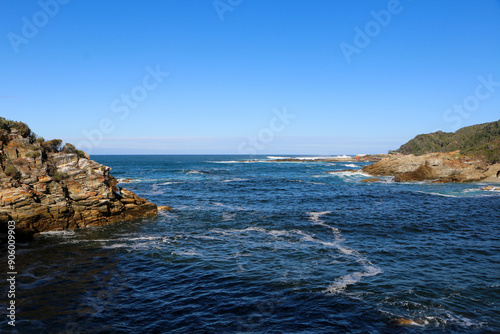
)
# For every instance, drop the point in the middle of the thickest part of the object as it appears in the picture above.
(358, 158)
(435, 167)
(45, 188)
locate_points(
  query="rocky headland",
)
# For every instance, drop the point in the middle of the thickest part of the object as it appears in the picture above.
(45, 187)
(435, 167)
(471, 154)
(358, 158)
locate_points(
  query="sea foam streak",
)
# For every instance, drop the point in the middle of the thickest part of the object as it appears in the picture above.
(342, 282)
(349, 173)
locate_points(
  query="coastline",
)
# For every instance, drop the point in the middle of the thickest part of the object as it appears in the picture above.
(48, 188)
(435, 167)
(343, 158)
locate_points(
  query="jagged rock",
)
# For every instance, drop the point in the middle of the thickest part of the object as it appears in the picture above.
(488, 188)
(440, 167)
(423, 172)
(372, 179)
(43, 190)
(164, 208)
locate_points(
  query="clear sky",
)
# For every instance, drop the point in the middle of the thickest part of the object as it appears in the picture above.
(248, 76)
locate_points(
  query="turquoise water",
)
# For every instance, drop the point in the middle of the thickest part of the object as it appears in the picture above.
(270, 247)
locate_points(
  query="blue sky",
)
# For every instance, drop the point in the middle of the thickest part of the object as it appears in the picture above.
(250, 77)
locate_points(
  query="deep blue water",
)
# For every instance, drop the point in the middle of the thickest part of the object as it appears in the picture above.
(268, 247)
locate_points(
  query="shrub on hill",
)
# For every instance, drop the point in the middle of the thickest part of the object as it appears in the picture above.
(482, 141)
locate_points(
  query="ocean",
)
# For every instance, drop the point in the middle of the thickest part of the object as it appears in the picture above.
(253, 245)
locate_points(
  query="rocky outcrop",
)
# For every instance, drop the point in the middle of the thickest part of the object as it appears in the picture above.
(43, 188)
(437, 167)
(370, 180)
(491, 188)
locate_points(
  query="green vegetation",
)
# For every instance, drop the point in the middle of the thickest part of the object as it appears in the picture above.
(81, 154)
(9, 125)
(481, 141)
(33, 154)
(68, 148)
(11, 170)
(58, 176)
(53, 145)
(35, 147)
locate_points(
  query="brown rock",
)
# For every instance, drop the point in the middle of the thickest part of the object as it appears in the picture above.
(372, 179)
(58, 191)
(164, 208)
(423, 172)
(402, 322)
(128, 201)
(491, 188)
(440, 167)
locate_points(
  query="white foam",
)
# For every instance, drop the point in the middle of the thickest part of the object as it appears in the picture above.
(351, 165)
(127, 179)
(238, 231)
(310, 181)
(255, 229)
(237, 179)
(436, 194)
(115, 246)
(342, 282)
(195, 172)
(206, 237)
(231, 207)
(64, 233)
(188, 253)
(141, 238)
(315, 216)
(310, 158)
(277, 233)
(307, 237)
(354, 172)
(227, 162)
(277, 158)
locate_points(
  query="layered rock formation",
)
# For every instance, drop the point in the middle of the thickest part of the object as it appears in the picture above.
(44, 188)
(438, 167)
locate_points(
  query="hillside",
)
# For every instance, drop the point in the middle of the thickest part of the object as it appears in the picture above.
(44, 186)
(481, 141)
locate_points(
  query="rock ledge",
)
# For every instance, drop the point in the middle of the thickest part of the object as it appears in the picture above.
(44, 188)
(436, 167)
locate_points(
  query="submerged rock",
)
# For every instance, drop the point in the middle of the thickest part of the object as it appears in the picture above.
(403, 322)
(491, 188)
(372, 179)
(43, 188)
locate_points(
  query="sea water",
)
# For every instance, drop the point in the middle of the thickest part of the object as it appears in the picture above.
(254, 245)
